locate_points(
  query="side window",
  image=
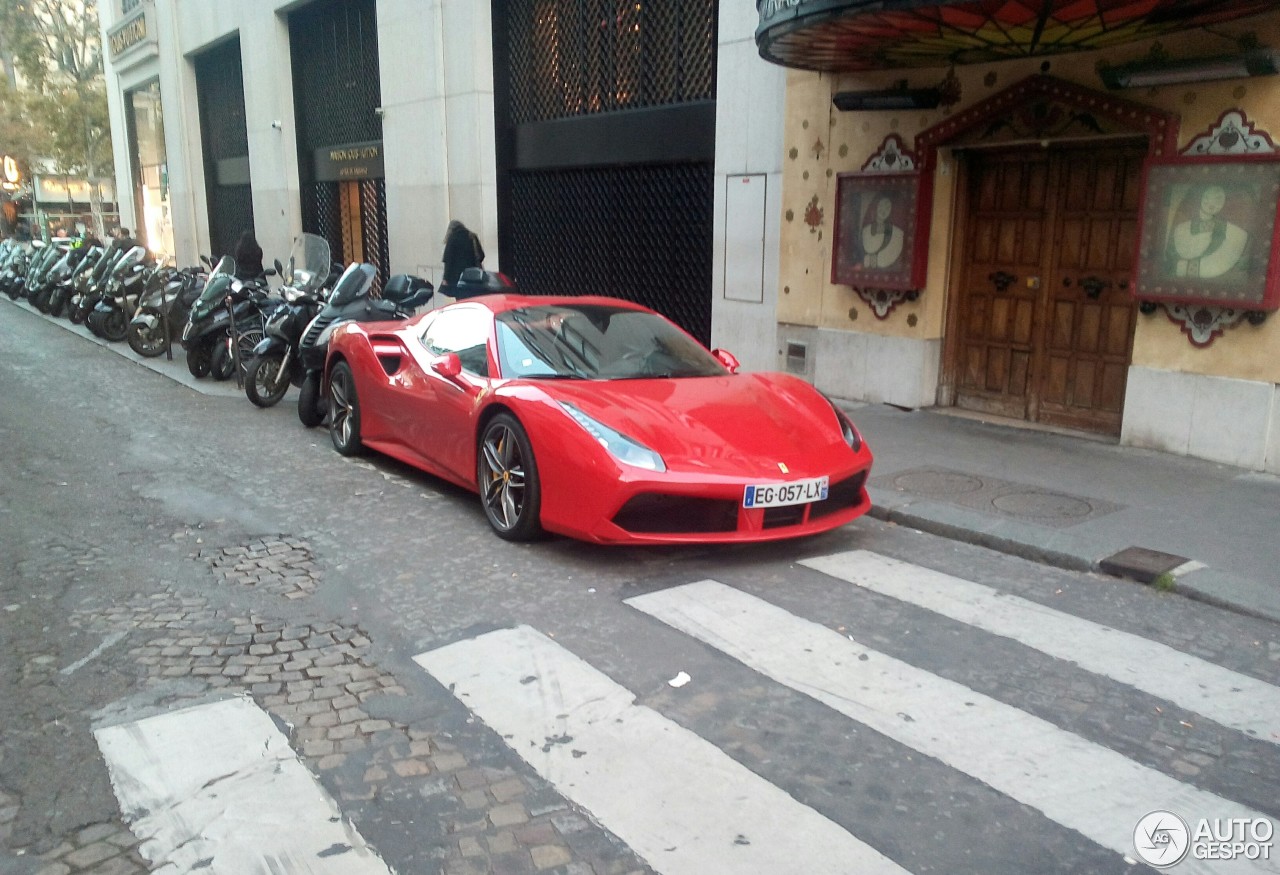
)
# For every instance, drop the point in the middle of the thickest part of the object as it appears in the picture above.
(465, 332)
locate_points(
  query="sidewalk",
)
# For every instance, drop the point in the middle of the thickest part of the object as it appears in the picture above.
(1075, 502)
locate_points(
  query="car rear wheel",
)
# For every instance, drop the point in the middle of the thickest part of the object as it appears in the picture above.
(344, 411)
(507, 477)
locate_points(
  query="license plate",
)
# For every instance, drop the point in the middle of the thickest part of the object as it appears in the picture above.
(783, 494)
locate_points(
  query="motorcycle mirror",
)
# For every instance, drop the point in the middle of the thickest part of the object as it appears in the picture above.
(279, 267)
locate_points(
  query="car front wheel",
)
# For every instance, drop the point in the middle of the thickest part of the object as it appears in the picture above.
(507, 477)
(344, 411)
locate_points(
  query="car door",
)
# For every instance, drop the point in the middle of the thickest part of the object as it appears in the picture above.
(444, 429)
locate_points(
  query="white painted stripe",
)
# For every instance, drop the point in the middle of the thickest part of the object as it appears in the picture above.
(215, 789)
(1228, 697)
(95, 653)
(678, 801)
(1075, 782)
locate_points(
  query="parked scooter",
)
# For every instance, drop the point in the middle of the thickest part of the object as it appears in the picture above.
(42, 257)
(95, 286)
(275, 363)
(109, 318)
(17, 257)
(227, 307)
(351, 302)
(53, 272)
(163, 310)
(80, 260)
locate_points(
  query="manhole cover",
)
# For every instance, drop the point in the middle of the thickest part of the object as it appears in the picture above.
(1043, 505)
(936, 483)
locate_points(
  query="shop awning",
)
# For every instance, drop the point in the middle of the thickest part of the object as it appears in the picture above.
(861, 35)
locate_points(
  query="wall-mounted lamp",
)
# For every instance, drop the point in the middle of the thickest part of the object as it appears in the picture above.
(889, 98)
(277, 125)
(1148, 73)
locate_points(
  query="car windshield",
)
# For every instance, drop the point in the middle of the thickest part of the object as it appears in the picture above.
(594, 342)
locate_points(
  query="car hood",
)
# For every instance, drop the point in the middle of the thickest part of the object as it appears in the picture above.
(735, 425)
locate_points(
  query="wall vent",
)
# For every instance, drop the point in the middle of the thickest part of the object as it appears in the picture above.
(797, 358)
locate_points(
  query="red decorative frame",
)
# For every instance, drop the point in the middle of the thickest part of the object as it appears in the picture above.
(1209, 232)
(879, 251)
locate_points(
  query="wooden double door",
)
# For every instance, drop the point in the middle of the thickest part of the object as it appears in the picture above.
(1044, 317)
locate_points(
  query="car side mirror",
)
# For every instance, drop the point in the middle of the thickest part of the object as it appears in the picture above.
(448, 365)
(726, 358)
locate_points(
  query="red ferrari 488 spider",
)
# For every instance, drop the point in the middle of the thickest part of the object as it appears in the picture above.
(598, 419)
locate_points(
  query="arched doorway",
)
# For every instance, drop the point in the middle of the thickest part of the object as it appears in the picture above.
(1040, 316)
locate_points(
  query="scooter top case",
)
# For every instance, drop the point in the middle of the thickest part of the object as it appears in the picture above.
(475, 281)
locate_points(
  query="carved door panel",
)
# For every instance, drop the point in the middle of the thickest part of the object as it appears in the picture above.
(1045, 326)
(1089, 313)
(1008, 213)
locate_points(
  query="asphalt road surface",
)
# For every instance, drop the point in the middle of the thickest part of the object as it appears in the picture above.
(226, 649)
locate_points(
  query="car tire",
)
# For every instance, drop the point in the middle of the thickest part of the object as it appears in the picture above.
(507, 479)
(344, 411)
(310, 406)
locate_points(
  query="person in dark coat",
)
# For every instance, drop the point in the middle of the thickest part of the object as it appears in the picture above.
(248, 256)
(462, 249)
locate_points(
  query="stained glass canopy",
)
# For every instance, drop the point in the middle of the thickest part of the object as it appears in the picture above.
(854, 35)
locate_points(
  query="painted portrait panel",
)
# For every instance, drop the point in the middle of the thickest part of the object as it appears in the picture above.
(1208, 233)
(876, 222)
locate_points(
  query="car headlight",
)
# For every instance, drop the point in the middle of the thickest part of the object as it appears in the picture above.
(621, 447)
(847, 429)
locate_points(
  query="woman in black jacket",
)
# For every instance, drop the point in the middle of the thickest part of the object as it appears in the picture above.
(462, 249)
(248, 256)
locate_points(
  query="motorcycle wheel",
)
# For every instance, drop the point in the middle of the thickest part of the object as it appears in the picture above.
(77, 315)
(147, 342)
(264, 384)
(221, 367)
(40, 300)
(199, 358)
(115, 327)
(94, 322)
(57, 303)
(11, 289)
(309, 410)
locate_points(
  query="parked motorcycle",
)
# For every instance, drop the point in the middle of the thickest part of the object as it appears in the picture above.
(163, 310)
(17, 257)
(227, 306)
(95, 286)
(65, 295)
(351, 302)
(53, 271)
(109, 318)
(42, 257)
(275, 364)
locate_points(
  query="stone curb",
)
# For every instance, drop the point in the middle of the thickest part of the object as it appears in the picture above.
(1216, 588)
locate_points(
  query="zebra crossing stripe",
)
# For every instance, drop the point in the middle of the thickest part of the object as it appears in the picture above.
(1230, 698)
(677, 800)
(215, 789)
(1081, 785)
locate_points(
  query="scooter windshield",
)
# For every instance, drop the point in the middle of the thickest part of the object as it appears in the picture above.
(216, 285)
(308, 263)
(130, 259)
(354, 283)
